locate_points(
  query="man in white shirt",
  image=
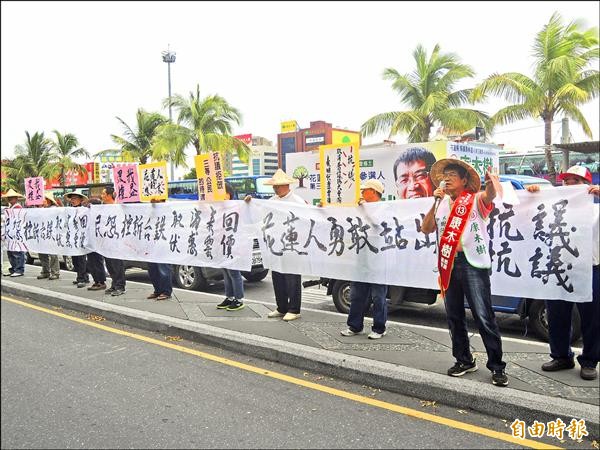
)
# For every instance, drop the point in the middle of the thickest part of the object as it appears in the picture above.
(287, 286)
(16, 259)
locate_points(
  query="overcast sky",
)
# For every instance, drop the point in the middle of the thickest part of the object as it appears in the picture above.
(74, 66)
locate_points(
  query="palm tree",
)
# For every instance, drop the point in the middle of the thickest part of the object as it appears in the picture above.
(63, 150)
(135, 145)
(205, 123)
(562, 80)
(32, 159)
(429, 92)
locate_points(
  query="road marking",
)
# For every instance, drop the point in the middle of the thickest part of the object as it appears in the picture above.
(300, 382)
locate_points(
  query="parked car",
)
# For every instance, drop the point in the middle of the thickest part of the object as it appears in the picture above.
(185, 276)
(527, 308)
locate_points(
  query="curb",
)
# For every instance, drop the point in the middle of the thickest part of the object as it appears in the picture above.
(461, 393)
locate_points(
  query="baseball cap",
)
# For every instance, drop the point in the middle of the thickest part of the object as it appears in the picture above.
(580, 171)
(376, 185)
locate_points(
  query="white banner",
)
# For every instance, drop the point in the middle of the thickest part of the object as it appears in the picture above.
(55, 231)
(540, 248)
(205, 234)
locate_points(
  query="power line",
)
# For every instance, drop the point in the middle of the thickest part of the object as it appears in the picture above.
(525, 128)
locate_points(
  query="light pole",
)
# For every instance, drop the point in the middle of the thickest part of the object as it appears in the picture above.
(169, 57)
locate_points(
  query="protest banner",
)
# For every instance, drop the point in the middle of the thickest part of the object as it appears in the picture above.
(339, 170)
(127, 183)
(540, 248)
(187, 232)
(34, 191)
(211, 179)
(153, 181)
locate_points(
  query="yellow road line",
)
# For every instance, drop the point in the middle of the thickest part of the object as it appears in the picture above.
(299, 382)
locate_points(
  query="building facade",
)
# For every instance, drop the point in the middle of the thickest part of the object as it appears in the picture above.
(293, 139)
(262, 160)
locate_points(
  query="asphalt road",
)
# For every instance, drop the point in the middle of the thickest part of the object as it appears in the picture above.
(66, 384)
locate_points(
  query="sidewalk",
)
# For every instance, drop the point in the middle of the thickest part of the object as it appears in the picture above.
(410, 359)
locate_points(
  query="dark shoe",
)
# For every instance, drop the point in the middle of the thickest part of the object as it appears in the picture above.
(163, 296)
(118, 292)
(110, 290)
(459, 369)
(54, 277)
(235, 305)
(152, 296)
(75, 281)
(588, 373)
(225, 303)
(97, 287)
(499, 378)
(558, 364)
(41, 276)
(81, 284)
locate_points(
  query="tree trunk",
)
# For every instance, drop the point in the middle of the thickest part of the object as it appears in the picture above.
(62, 180)
(548, 149)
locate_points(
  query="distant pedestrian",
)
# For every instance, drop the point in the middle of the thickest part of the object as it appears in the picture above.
(560, 311)
(161, 277)
(234, 285)
(115, 266)
(50, 263)
(95, 261)
(15, 258)
(75, 200)
(464, 261)
(362, 294)
(287, 286)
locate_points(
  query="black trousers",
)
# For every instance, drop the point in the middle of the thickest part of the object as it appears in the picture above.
(80, 264)
(95, 265)
(288, 292)
(116, 269)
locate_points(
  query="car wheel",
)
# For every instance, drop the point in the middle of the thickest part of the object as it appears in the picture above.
(189, 277)
(341, 296)
(28, 258)
(68, 262)
(538, 318)
(256, 276)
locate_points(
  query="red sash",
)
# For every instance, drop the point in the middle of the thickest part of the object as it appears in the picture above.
(459, 216)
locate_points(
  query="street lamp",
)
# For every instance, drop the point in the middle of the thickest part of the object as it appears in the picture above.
(169, 57)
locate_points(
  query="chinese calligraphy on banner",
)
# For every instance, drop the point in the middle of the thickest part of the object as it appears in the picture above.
(127, 184)
(339, 169)
(211, 180)
(153, 181)
(34, 191)
(540, 248)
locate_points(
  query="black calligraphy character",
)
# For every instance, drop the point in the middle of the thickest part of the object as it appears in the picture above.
(312, 236)
(111, 221)
(504, 263)
(289, 238)
(192, 250)
(336, 236)
(195, 222)
(359, 241)
(538, 219)
(230, 221)
(505, 224)
(556, 227)
(137, 227)
(227, 242)
(177, 220)
(419, 244)
(267, 238)
(148, 230)
(127, 222)
(173, 243)
(159, 229)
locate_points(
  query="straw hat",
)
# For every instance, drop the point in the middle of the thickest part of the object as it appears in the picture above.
(580, 171)
(437, 173)
(50, 197)
(68, 195)
(280, 179)
(376, 185)
(12, 193)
